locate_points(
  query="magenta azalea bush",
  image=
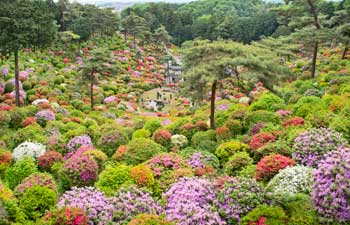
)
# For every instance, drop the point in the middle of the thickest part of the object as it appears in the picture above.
(95, 204)
(190, 201)
(311, 146)
(79, 170)
(331, 187)
(129, 202)
(237, 197)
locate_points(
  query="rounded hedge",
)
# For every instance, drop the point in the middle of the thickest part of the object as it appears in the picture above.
(140, 150)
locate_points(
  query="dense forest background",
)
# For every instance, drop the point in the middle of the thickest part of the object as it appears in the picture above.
(239, 20)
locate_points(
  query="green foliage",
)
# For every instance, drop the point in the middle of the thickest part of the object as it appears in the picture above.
(267, 101)
(261, 116)
(228, 149)
(272, 215)
(237, 162)
(342, 125)
(31, 132)
(112, 139)
(141, 133)
(139, 150)
(152, 125)
(205, 140)
(36, 200)
(300, 210)
(20, 170)
(112, 178)
(307, 105)
(248, 171)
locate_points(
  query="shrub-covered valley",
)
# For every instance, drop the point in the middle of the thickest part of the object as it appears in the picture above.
(212, 112)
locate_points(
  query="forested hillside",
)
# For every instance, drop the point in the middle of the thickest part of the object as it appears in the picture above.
(214, 112)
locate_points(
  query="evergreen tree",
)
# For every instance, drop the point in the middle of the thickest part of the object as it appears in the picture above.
(161, 36)
(135, 26)
(209, 63)
(24, 24)
(94, 67)
(341, 24)
(305, 19)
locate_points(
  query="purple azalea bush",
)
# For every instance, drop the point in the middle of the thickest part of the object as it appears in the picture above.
(202, 159)
(190, 201)
(331, 187)
(311, 146)
(78, 141)
(132, 201)
(44, 116)
(237, 197)
(96, 205)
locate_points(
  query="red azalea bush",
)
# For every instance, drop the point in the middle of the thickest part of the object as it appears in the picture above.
(201, 126)
(261, 139)
(48, 159)
(269, 166)
(162, 136)
(119, 154)
(222, 133)
(188, 130)
(295, 121)
(28, 121)
(5, 159)
(66, 216)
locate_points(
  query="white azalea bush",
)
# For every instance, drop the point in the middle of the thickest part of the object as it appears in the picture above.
(34, 150)
(179, 140)
(291, 180)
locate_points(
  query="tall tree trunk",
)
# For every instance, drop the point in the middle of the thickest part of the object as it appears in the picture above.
(314, 58)
(346, 48)
(92, 95)
(17, 79)
(212, 105)
(125, 37)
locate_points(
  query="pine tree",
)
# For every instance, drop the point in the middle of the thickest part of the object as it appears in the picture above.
(97, 65)
(24, 24)
(304, 17)
(208, 63)
(135, 26)
(341, 23)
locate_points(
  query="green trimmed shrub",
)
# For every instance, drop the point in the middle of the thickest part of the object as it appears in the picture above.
(112, 178)
(268, 101)
(111, 140)
(227, 149)
(36, 200)
(248, 171)
(140, 150)
(307, 105)
(152, 125)
(237, 162)
(264, 214)
(141, 133)
(20, 170)
(261, 116)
